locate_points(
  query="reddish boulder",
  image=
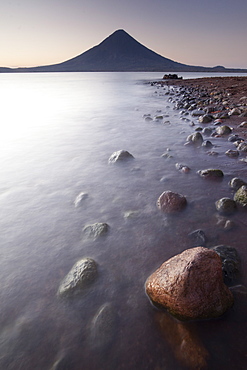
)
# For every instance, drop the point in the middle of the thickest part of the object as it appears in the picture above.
(190, 285)
(170, 202)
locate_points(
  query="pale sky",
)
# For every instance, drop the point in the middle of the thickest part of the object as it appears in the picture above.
(196, 32)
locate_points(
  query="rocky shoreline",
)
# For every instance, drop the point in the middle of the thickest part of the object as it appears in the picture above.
(199, 283)
(224, 97)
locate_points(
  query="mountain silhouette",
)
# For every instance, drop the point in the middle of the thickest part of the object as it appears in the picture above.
(120, 52)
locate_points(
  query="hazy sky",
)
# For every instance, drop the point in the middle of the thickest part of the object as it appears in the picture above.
(198, 32)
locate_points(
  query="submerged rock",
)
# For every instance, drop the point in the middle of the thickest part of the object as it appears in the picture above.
(182, 168)
(211, 173)
(96, 230)
(243, 124)
(198, 237)
(224, 223)
(232, 153)
(195, 139)
(207, 131)
(241, 196)
(120, 155)
(226, 205)
(170, 202)
(190, 285)
(230, 262)
(83, 273)
(103, 327)
(79, 199)
(207, 144)
(236, 183)
(242, 147)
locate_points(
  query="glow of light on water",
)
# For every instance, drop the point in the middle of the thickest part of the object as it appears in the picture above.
(22, 116)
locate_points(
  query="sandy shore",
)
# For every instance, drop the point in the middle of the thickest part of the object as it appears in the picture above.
(224, 93)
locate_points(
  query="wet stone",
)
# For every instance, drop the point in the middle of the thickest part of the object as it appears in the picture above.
(224, 223)
(211, 173)
(223, 130)
(243, 124)
(230, 262)
(96, 230)
(182, 168)
(103, 326)
(206, 118)
(236, 183)
(190, 285)
(241, 196)
(198, 112)
(82, 274)
(242, 147)
(232, 153)
(207, 144)
(195, 139)
(79, 199)
(170, 202)
(207, 131)
(233, 138)
(120, 155)
(198, 238)
(226, 205)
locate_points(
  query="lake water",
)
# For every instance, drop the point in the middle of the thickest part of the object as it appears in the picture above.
(57, 133)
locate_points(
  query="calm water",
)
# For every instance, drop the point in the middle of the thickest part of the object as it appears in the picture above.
(57, 133)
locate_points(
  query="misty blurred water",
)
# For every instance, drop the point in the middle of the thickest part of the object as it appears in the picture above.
(57, 133)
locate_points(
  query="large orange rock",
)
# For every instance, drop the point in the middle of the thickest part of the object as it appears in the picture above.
(190, 285)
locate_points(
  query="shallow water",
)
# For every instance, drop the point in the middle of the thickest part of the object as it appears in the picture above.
(57, 133)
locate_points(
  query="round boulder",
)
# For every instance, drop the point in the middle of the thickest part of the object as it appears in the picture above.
(195, 139)
(236, 183)
(232, 153)
(81, 275)
(226, 205)
(190, 285)
(170, 202)
(223, 130)
(206, 118)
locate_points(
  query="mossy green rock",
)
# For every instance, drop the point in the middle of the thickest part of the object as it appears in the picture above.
(241, 196)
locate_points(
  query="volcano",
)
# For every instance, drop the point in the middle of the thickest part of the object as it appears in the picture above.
(120, 52)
